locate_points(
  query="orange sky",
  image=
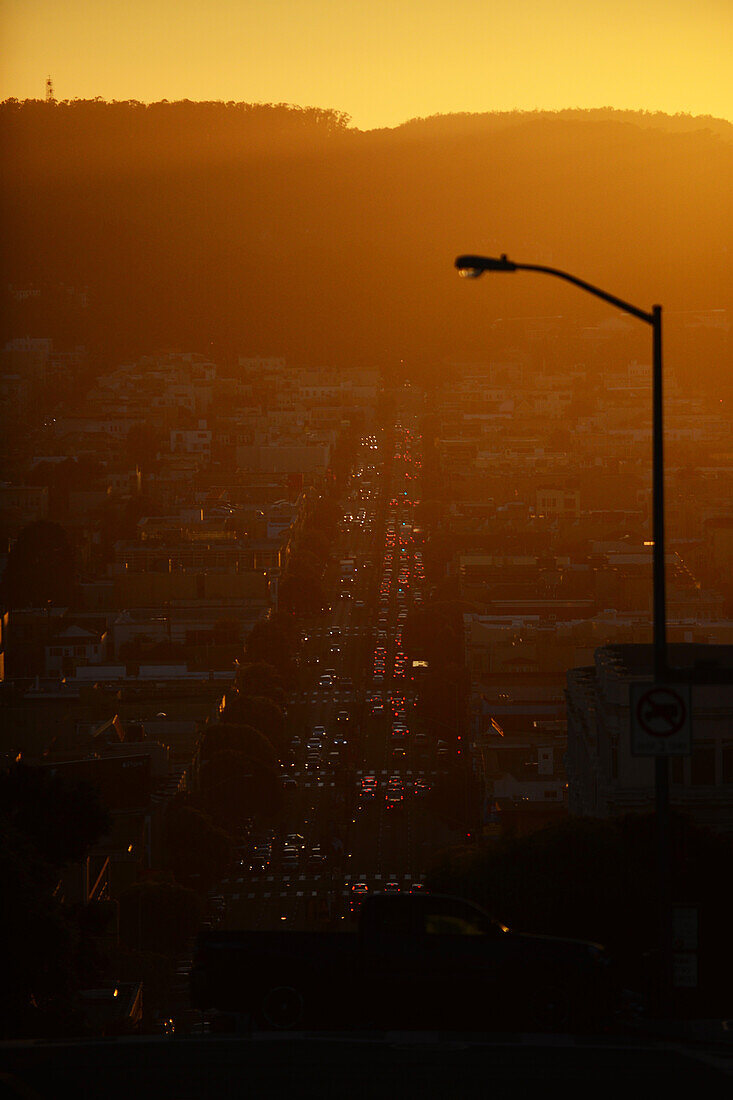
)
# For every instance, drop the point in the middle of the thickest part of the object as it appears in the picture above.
(380, 61)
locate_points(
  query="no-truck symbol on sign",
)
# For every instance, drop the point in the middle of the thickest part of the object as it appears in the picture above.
(660, 720)
(661, 712)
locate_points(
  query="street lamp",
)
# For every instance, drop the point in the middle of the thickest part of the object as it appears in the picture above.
(471, 267)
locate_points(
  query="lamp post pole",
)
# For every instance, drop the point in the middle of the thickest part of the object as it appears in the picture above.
(472, 267)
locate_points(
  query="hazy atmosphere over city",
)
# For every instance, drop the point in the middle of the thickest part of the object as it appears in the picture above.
(366, 630)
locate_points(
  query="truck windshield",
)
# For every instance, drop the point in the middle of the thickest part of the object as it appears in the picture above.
(448, 917)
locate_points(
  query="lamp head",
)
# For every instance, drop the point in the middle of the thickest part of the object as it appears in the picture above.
(470, 267)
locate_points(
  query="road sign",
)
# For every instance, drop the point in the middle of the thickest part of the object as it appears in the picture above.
(684, 970)
(660, 719)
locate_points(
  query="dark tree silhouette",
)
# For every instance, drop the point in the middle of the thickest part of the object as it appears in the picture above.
(45, 952)
(597, 880)
(275, 642)
(260, 712)
(230, 737)
(40, 568)
(158, 917)
(235, 788)
(197, 851)
(62, 820)
(263, 679)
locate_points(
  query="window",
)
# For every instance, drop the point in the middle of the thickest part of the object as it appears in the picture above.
(446, 918)
(727, 754)
(702, 766)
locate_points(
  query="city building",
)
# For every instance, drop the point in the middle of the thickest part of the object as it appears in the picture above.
(604, 777)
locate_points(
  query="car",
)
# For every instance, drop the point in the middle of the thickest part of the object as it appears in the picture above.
(318, 731)
(290, 859)
(418, 888)
(391, 888)
(325, 681)
(358, 891)
(295, 840)
(393, 799)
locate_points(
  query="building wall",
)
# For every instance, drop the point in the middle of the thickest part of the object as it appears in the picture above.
(606, 780)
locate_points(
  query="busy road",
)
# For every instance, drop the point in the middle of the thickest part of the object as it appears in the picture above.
(358, 769)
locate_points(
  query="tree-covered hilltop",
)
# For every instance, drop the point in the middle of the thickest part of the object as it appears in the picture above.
(276, 229)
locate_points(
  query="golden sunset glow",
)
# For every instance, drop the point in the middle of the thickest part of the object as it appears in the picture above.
(380, 61)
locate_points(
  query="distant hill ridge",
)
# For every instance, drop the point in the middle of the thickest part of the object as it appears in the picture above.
(277, 229)
(466, 122)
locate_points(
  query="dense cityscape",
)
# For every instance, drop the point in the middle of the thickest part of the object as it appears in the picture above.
(335, 752)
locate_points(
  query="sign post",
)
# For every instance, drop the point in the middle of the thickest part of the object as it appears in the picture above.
(661, 727)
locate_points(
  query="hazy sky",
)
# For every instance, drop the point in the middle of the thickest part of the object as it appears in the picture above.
(380, 61)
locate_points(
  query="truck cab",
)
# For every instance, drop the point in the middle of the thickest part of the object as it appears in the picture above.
(417, 960)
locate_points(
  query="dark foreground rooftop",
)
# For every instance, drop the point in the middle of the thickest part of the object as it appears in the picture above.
(360, 1065)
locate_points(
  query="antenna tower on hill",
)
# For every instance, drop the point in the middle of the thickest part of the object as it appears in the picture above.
(50, 97)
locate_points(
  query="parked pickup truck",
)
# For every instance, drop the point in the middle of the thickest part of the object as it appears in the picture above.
(417, 960)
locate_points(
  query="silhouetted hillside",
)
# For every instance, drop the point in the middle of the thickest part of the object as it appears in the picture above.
(276, 229)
